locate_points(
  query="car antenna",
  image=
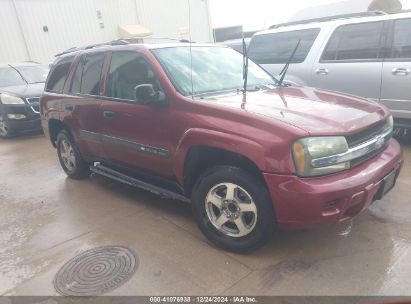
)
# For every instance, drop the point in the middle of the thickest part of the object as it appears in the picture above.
(285, 68)
(191, 54)
(245, 65)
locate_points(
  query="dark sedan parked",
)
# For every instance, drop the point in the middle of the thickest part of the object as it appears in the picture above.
(20, 87)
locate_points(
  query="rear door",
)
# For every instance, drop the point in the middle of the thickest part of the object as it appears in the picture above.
(352, 60)
(396, 80)
(82, 107)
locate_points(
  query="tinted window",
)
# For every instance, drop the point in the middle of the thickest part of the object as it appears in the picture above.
(58, 75)
(354, 42)
(278, 47)
(402, 39)
(91, 66)
(128, 70)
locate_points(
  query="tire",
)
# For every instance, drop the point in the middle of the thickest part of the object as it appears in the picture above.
(5, 131)
(220, 215)
(70, 157)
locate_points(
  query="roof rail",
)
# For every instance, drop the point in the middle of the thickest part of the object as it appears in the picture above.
(330, 18)
(92, 46)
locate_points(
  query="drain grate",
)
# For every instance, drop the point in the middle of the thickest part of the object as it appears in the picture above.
(96, 271)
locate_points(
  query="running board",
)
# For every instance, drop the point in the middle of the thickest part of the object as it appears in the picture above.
(99, 169)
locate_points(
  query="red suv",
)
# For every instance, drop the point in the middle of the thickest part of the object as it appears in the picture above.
(175, 120)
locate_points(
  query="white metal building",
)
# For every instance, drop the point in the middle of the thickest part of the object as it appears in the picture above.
(38, 29)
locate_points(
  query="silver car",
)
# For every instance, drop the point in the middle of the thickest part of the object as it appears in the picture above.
(369, 56)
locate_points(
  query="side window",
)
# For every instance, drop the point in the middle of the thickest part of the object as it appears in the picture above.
(87, 76)
(355, 42)
(58, 75)
(276, 48)
(401, 47)
(127, 70)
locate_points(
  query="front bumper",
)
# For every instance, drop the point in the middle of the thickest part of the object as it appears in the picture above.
(309, 202)
(30, 123)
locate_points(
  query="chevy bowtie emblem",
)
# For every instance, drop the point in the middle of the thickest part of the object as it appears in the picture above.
(380, 142)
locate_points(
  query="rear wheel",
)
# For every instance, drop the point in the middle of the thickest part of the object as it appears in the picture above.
(70, 158)
(5, 131)
(233, 209)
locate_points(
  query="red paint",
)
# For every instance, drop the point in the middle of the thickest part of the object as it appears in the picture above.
(261, 127)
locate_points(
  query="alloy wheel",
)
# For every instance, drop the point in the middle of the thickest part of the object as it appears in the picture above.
(231, 209)
(67, 155)
(4, 131)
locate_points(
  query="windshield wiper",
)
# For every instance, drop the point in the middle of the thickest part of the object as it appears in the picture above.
(285, 69)
(245, 65)
(21, 75)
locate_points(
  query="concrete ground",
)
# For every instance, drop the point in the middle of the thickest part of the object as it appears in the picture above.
(46, 219)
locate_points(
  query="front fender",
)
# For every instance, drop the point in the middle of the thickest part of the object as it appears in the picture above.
(216, 139)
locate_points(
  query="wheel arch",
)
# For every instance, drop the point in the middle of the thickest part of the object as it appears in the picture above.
(55, 126)
(201, 149)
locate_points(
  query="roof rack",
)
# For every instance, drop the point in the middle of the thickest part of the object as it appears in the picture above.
(115, 42)
(330, 18)
(92, 46)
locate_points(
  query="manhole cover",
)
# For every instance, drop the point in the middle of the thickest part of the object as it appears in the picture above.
(96, 271)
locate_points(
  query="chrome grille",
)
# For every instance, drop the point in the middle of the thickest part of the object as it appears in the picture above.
(367, 135)
(34, 102)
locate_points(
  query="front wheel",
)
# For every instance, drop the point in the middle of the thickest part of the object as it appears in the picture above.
(5, 131)
(70, 158)
(233, 209)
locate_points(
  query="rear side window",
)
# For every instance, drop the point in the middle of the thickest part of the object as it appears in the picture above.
(276, 48)
(88, 73)
(401, 47)
(58, 75)
(128, 70)
(355, 42)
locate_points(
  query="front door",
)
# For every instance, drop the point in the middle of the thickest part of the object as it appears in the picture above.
(396, 77)
(134, 134)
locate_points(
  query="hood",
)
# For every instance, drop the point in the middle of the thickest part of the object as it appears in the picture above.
(27, 90)
(313, 110)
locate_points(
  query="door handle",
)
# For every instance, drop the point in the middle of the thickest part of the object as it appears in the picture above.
(400, 71)
(108, 114)
(321, 71)
(68, 107)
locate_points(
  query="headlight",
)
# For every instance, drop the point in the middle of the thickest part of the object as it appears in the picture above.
(390, 122)
(309, 148)
(10, 99)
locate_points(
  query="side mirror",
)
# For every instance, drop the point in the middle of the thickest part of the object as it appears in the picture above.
(147, 95)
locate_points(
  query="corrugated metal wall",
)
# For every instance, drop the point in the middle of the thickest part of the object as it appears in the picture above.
(79, 22)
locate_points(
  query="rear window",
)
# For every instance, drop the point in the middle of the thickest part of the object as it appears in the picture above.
(58, 75)
(88, 73)
(401, 47)
(276, 48)
(355, 42)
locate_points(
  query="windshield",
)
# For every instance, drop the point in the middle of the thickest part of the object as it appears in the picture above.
(35, 73)
(10, 77)
(28, 74)
(215, 69)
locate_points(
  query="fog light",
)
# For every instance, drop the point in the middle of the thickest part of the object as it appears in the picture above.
(16, 116)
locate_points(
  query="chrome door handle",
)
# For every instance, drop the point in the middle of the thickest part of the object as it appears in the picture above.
(400, 71)
(321, 71)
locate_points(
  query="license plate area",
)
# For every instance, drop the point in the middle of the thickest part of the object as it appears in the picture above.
(387, 183)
